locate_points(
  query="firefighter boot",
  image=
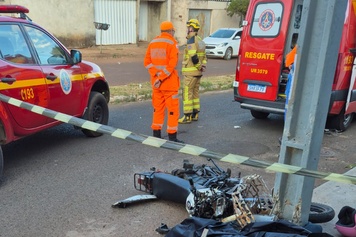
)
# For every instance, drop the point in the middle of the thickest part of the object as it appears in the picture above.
(173, 137)
(195, 115)
(187, 118)
(157, 133)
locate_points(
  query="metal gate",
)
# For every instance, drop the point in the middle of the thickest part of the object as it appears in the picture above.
(121, 16)
(143, 21)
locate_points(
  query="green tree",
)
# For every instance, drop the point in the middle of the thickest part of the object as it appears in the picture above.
(238, 7)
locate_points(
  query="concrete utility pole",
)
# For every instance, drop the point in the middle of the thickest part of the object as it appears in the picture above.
(318, 46)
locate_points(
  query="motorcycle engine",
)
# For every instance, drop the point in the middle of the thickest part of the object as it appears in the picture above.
(207, 203)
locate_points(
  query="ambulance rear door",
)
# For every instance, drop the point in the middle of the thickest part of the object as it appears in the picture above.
(262, 48)
(348, 60)
(351, 95)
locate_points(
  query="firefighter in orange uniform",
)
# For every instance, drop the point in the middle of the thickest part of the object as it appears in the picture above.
(289, 63)
(161, 60)
(194, 63)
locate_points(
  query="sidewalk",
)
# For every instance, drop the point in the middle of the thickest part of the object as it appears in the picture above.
(336, 195)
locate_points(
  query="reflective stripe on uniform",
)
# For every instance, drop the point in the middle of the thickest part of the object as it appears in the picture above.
(164, 69)
(158, 53)
(196, 104)
(197, 100)
(161, 67)
(173, 129)
(189, 69)
(187, 104)
(149, 66)
(157, 125)
(160, 40)
(166, 72)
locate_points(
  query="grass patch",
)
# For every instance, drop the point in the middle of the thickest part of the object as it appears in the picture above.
(143, 91)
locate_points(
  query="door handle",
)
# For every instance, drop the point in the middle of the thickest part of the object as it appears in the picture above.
(8, 80)
(51, 77)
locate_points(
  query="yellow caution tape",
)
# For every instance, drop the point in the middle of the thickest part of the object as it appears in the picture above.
(183, 148)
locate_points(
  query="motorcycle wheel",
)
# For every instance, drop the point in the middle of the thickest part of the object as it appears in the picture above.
(320, 213)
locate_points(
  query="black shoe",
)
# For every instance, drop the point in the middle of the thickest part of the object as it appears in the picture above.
(176, 140)
(157, 133)
(195, 115)
(173, 137)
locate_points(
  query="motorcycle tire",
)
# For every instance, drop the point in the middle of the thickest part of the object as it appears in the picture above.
(320, 213)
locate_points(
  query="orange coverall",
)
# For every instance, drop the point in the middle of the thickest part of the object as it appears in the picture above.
(290, 57)
(161, 60)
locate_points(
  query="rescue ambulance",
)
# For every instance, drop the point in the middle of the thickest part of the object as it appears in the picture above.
(35, 67)
(270, 31)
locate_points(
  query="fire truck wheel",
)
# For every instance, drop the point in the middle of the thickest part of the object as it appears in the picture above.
(340, 122)
(228, 54)
(97, 111)
(259, 114)
(320, 213)
(1, 164)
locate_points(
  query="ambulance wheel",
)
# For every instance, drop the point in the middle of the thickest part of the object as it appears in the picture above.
(259, 114)
(320, 213)
(97, 111)
(228, 54)
(341, 121)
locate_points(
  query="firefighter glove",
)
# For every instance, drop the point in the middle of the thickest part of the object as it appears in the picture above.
(157, 83)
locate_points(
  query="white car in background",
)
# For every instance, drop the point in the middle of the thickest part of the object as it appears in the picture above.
(223, 43)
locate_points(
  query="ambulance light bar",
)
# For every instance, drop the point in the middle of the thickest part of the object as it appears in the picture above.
(13, 9)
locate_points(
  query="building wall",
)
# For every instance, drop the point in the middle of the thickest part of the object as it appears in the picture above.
(219, 17)
(73, 22)
(179, 18)
(70, 22)
(157, 12)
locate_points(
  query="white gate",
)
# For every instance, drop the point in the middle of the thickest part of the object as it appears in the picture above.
(143, 21)
(121, 16)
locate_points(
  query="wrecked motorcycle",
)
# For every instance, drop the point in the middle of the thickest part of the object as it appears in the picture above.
(210, 192)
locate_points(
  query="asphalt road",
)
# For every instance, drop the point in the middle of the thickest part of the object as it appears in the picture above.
(60, 183)
(122, 73)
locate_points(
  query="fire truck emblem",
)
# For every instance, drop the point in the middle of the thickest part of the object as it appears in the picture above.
(266, 20)
(65, 81)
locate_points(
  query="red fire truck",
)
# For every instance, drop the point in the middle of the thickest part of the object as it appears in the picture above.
(270, 30)
(35, 67)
